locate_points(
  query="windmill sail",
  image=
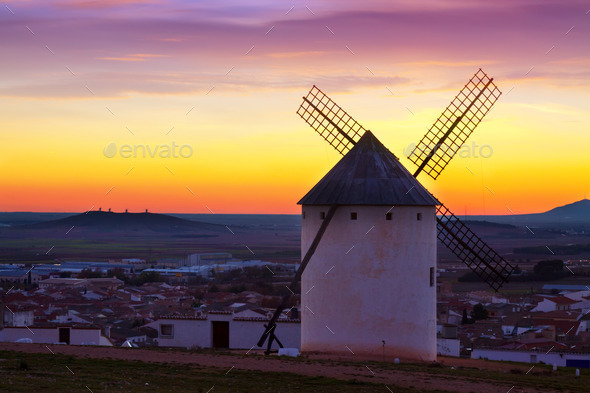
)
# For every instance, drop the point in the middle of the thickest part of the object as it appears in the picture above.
(330, 121)
(316, 241)
(450, 131)
(474, 252)
(455, 125)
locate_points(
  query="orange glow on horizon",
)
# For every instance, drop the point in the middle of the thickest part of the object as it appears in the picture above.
(228, 86)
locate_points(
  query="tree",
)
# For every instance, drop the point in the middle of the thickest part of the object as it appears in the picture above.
(237, 288)
(89, 273)
(117, 272)
(517, 270)
(469, 277)
(137, 323)
(145, 277)
(549, 269)
(465, 319)
(479, 312)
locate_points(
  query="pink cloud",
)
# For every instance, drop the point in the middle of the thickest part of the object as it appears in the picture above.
(397, 45)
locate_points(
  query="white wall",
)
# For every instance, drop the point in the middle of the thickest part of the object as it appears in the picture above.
(11, 334)
(582, 306)
(545, 306)
(448, 347)
(51, 335)
(527, 356)
(245, 334)
(377, 290)
(85, 336)
(188, 333)
(578, 295)
(18, 318)
(507, 329)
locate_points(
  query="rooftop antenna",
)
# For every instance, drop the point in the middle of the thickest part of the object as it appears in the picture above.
(432, 155)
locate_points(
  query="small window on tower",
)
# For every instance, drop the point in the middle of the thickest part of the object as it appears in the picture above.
(353, 216)
(419, 217)
(303, 215)
(388, 216)
(431, 276)
(322, 215)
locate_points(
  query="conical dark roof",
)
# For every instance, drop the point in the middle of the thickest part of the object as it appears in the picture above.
(369, 174)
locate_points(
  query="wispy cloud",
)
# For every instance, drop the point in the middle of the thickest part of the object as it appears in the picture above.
(133, 57)
(290, 55)
(125, 84)
(101, 4)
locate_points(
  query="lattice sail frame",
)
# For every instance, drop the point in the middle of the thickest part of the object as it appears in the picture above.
(330, 121)
(474, 252)
(343, 133)
(455, 125)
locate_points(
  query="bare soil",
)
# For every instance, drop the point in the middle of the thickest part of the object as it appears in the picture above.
(315, 365)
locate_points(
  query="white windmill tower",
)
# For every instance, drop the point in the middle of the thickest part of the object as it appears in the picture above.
(371, 286)
(371, 229)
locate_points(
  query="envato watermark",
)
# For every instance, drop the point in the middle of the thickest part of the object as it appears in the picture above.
(464, 151)
(148, 151)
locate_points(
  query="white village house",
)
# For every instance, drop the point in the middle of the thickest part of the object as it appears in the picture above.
(560, 359)
(53, 334)
(222, 330)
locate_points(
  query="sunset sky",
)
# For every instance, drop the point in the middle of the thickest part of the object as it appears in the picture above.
(80, 79)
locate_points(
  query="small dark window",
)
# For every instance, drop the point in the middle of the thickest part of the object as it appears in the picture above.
(322, 215)
(353, 216)
(303, 215)
(419, 217)
(167, 331)
(431, 276)
(388, 216)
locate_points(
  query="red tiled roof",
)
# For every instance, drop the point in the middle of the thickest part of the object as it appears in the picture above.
(560, 299)
(566, 327)
(532, 343)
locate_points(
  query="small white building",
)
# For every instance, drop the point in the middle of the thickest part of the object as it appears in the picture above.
(448, 347)
(66, 334)
(222, 330)
(561, 359)
(19, 275)
(578, 295)
(211, 258)
(554, 303)
(18, 317)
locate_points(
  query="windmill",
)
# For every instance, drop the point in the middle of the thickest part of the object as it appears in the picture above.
(431, 156)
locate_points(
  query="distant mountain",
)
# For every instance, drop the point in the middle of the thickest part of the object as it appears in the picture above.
(21, 218)
(579, 210)
(111, 221)
(246, 220)
(576, 214)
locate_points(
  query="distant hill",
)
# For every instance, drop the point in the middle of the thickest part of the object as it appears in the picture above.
(109, 221)
(577, 211)
(246, 220)
(576, 214)
(8, 219)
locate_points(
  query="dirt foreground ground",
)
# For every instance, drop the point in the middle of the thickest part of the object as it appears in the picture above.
(345, 369)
